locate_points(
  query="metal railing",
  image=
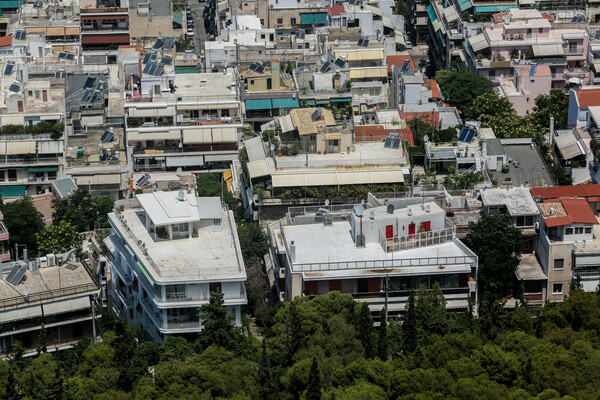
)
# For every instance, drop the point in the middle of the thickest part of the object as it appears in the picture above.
(50, 294)
(415, 240)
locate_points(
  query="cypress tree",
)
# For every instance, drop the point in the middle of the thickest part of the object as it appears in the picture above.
(313, 391)
(382, 342)
(409, 326)
(365, 329)
(264, 374)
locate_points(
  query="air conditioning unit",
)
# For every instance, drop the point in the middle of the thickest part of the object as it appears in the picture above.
(51, 260)
(281, 272)
(43, 262)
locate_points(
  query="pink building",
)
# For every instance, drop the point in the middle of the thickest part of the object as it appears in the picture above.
(527, 84)
(525, 37)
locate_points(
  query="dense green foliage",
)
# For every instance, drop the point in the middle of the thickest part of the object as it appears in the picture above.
(23, 221)
(55, 130)
(334, 192)
(498, 247)
(555, 104)
(315, 350)
(461, 88)
(58, 238)
(83, 210)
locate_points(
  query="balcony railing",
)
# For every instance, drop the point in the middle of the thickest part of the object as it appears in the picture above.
(203, 299)
(50, 294)
(416, 240)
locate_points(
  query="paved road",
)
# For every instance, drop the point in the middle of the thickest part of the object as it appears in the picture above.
(199, 31)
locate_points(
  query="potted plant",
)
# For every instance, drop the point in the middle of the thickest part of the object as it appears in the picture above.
(514, 54)
(505, 168)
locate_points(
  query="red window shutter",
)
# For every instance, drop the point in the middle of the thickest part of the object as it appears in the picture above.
(335, 285)
(389, 231)
(427, 226)
(20, 106)
(374, 285)
(312, 287)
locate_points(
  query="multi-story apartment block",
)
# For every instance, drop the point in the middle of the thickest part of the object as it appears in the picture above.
(446, 35)
(526, 36)
(525, 86)
(4, 236)
(362, 249)
(168, 252)
(104, 26)
(568, 245)
(54, 291)
(180, 120)
(306, 14)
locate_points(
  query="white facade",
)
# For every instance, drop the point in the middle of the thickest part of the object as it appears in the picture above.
(169, 251)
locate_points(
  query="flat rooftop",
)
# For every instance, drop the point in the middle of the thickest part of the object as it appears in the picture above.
(530, 169)
(205, 84)
(518, 201)
(208, 256)
(50, 283)
(529, 269)
(331, 245)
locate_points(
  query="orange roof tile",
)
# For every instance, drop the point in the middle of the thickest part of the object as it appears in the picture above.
(6, 41)
(436, 93)
(398, 60)
(337, 10)
(364, 133)
(577, 210)
(588, 97)
(565, 191)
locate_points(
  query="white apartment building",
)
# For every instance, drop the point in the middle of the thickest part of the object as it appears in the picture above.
(361, 250)
(169, 251)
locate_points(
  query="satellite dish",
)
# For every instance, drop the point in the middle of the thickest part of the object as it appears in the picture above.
(26, 290)
(272, 147)
(327, 202)
(362, 202)
(359, 209)
(178, 173)
(390, 209)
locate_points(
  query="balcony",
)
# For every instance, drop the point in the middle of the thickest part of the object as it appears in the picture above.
(416, 240)
(183, 300)
(3, 232)
(5, 256)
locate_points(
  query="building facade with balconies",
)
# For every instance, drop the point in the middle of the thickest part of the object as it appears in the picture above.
(526, 37)
(168, 252)
(373, 253)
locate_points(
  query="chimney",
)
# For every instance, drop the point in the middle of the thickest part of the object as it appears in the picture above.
(275, 71)
(25, 255)
(551, 133)
(293, 251)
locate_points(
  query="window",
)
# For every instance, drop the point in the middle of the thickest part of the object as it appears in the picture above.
(541, 30)
(492, 73)
(12, 175)
(252, 81)
(579, 230)
(588, 229)
(175, 292)
(280, 21)
(214, 286)
(559, 264)
(262, 35)
(569, 231)
(557, 288)
(528, 33)
(2, 176)
(216, 222)
(293, 20)
(269, 84)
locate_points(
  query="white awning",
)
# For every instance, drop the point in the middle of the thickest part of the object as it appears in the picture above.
(450, 14)
(160, 135)
(13, 120)
(334, 178)
(544, 50)
(50, 147)
(225, 134)
(65, 306)
(220, 157)
(21, 313)
(197, 136)
(258, 168)
(50, 117)
(286, 123)
(20, 147)
(478, 42)
(151, 112)
(595, 114)
(107, 179)
(185, 161)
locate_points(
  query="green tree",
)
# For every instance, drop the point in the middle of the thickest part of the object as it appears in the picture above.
(365, 329)
(217, 325)
(83, 210)
(419, 128)
(409, 326)
(555, 104)
(58, 238)
(212, 185)
(253, 241)
(23, 222)
(175, 348)
(498, 247)
(460, 88)
(382, 338)
(265, 375)
(313, 391)
(42, 346)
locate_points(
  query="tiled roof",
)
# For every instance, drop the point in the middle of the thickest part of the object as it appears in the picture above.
(566, 191)
(5, 41)
(588, 97)
(567, 211)
(436, 93)
(365, 133)
(337, 10)
(398, 60)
